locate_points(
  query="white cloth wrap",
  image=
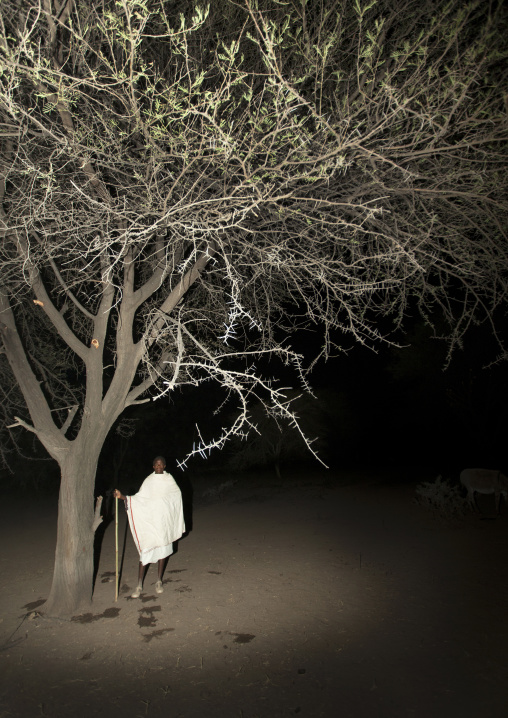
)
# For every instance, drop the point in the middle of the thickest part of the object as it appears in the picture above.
(156, 517)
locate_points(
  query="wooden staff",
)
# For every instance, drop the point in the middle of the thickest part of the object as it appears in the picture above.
(116, 547)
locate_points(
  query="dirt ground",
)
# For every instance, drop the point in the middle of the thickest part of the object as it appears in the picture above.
(311, 599)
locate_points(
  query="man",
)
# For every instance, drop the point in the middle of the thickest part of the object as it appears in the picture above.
(156, 520)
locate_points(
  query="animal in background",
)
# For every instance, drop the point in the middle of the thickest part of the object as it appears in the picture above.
(484, 481)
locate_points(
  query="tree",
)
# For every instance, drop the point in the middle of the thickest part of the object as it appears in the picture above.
(183, 188)
(273, 439)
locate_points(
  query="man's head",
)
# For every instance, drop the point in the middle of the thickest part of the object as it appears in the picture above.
(159, 464)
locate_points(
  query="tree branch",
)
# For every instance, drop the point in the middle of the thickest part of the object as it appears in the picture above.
(179, 291)
(44, 425)
(56, 318)
(97, 519)
(70, 416)
(20, 422)
(68, 292)
(155, 373)
(157, 278)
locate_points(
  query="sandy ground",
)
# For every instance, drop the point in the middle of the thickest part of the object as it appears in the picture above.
(307, 600)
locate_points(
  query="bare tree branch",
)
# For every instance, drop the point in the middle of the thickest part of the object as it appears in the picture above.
(70, 416)
(24, 424)
(203, 186)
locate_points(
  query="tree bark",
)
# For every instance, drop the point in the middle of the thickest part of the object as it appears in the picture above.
(71, 590)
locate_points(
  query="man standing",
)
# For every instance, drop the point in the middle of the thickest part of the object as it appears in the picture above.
(156, 520)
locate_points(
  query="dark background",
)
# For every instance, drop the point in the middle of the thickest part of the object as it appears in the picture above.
(374, 410)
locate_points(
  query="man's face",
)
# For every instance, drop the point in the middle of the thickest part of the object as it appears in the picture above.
(159, 466)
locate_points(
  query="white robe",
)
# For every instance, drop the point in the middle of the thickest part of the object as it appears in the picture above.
(156, 517)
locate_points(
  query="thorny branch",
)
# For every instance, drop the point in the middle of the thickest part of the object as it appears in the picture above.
(189, 202)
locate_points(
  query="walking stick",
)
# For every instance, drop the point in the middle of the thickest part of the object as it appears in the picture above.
(116, 547)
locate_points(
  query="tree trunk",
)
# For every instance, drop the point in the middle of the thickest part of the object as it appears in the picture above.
(71, 590)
